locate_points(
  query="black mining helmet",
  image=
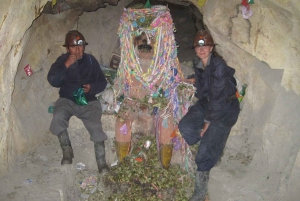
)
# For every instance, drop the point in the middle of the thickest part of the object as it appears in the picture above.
(74, 38)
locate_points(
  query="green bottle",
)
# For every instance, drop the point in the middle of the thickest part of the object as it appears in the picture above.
(242, 92)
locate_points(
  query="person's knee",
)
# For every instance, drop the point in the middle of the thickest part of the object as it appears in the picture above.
(188, 134)
(208, 156)
(59, 123)
(182, 127)
(61, 115)
(99, 137)
(204, 163)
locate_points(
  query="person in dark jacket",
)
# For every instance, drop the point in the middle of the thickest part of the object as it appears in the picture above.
(211, 118)
(70, 72)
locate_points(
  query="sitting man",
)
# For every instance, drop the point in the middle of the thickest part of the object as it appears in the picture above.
(70, 72)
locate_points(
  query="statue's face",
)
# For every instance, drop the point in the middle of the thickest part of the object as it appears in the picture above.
(143, 43)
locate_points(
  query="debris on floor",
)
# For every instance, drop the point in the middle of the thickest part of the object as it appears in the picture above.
(140, 176)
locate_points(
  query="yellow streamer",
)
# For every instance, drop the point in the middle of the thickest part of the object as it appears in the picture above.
(201, 2)
(54, 2)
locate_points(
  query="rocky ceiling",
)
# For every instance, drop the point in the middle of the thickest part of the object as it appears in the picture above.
(87, 5)
(92, 5)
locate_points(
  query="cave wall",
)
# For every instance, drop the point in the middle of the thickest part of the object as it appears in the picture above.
(37, 40)
(15, 21)
(32, 95)
(261, 160)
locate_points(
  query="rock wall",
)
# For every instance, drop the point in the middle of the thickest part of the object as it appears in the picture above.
(15, 21)
(37, 40)
(261, 160)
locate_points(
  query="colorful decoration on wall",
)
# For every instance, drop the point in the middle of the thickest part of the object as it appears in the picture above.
(246, 10)
(53, 3)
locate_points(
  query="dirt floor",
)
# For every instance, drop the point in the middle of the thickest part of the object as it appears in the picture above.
(36, 176)
(39, 176)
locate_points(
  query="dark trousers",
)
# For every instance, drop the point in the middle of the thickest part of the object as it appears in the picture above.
(89, 114)
(213, 142)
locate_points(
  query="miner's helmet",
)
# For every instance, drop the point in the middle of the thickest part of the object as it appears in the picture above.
(203, 38)
(74, 38)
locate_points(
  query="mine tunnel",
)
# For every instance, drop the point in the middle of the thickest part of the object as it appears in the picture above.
(261, 158)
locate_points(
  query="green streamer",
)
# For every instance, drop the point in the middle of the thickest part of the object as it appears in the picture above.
(148, 5)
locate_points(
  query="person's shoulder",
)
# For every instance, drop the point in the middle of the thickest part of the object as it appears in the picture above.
(90, 59)
(218, 60)
(219, 66)
(62, 57)
(90, 56)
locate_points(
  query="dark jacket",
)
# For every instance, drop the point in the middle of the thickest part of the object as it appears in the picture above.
(214, 87)
(84, 71)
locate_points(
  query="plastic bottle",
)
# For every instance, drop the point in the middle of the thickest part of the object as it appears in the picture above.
(242, 92)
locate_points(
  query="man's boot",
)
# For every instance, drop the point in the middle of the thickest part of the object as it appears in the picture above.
(201, 182)
(67, 150)
(100, 157)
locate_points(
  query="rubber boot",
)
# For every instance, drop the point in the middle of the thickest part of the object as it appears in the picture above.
(67, 150)
(100, 157)
(201, 182)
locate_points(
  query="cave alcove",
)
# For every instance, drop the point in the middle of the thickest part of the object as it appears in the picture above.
(261, 160)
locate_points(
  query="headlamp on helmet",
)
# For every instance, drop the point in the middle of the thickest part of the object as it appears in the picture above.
(201, 42)
(203, 38)
(74, 38)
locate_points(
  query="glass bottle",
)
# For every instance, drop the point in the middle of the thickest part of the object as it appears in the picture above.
(242, 92)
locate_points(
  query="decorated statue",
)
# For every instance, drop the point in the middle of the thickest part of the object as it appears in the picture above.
(149, 80)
